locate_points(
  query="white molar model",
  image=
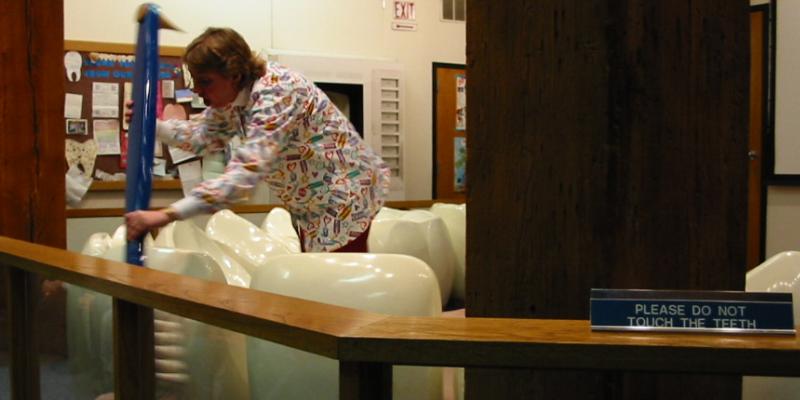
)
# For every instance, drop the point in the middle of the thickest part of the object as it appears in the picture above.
(455, 218)
(250, 245)
(186, 235)
(384, 283)
(417, 233)
(193, 360)
(278, 225)
(781, 273)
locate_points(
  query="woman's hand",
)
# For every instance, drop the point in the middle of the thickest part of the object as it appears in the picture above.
(137, 223)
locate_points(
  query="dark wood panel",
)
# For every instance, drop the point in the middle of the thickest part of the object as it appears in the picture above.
(134, 352)
(756, 204)
(22, 312)
(17, 152)
(45, 98)
(613, 134)
(365, 381)
(31, 140)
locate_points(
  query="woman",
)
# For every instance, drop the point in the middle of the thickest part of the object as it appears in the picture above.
(293, 137)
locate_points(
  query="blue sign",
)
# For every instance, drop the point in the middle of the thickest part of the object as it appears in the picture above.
(692, 311)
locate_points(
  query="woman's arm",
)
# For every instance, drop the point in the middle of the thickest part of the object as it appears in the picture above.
(207, 132)
(277, 110)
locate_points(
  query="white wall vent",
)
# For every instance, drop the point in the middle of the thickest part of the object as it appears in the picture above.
(389, 122)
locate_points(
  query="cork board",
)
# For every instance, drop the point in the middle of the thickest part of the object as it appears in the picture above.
(95, 76)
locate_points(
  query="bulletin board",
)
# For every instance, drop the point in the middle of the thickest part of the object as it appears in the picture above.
(95, 77)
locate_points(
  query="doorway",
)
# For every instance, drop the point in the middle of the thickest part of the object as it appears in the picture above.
(449, 132)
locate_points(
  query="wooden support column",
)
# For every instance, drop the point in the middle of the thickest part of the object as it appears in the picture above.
(31, 167)
(365, 381)
(23, 293)
(134, 352)
(607, 148)
(32, 135)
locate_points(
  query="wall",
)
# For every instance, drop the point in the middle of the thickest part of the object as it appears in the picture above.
(344, 28)
(783, 202)
(356, 28)
(783, 219)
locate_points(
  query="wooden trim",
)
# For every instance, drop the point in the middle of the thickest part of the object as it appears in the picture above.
(134, 352)
(118, 48)
(246, 208)
(435, 123)
(359, 336)
(95, 212)
(22, 290)
(365, 381)
(100, 186)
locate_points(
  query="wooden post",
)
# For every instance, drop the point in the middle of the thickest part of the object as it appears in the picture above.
(607, 148)
(134, 352)
(22, 294)
(32, 205)
(365, 381)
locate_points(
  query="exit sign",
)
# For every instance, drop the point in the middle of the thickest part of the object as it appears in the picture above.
(404, 10)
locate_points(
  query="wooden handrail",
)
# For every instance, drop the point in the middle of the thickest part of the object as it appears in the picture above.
(363, 338)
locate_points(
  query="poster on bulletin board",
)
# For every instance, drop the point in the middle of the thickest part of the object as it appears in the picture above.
(459, 164)
(461, 102)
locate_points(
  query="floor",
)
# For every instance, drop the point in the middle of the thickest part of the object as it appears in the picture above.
(55, 378)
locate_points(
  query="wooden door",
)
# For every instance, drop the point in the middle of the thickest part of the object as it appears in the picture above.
(759, 17)
(449, 134)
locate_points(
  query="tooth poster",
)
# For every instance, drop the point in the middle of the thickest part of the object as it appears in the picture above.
(461, 102)
(72, 63)
(460, 164)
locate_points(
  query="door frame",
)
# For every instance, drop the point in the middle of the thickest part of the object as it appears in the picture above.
(434, 88)
(767, 139)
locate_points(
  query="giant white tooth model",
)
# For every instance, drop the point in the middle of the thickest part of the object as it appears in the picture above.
(455, 219)
(780, 273)
(385, 283)
(193, 360)
(420, 234)
(250, 245)
(186, 235)
(278, 225)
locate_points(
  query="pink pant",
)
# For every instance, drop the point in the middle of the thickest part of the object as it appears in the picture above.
(357, 245)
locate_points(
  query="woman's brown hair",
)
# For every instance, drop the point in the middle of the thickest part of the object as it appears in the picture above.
(224, 51)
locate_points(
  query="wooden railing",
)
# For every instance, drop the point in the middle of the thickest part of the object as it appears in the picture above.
(366, 344)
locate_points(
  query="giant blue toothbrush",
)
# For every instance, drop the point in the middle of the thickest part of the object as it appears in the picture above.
(141, 135)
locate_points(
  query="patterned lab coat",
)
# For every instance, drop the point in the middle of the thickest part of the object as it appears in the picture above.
(296, 140)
